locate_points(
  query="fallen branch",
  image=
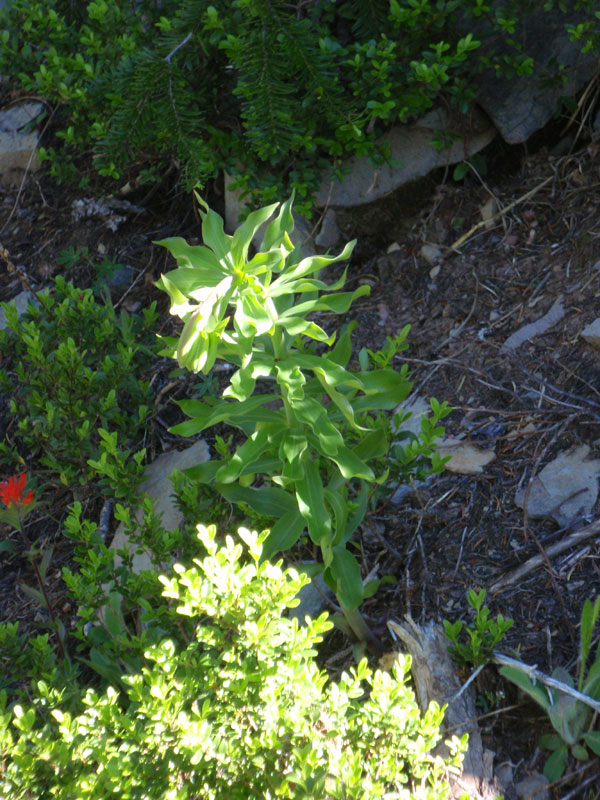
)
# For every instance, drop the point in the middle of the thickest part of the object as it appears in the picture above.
(553, 550)
(535, 675)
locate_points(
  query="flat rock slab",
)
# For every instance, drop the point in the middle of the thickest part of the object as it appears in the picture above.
(566, 489)
(463, 457)
(158, 486)
(412, 156)
(591, 333)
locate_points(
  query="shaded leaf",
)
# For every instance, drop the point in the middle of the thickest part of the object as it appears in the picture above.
(284, 534)
(346, 572)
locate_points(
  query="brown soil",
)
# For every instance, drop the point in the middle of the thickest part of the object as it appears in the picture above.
(459, 531)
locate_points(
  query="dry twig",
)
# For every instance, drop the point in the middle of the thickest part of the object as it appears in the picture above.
(503, 211)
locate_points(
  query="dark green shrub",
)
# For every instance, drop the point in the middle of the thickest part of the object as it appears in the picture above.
(274, 93)
(73, 370)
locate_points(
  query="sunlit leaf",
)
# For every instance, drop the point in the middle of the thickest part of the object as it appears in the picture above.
(214, 236)
(311, 502)
(243, 236)
(282, 224)
(200, 259)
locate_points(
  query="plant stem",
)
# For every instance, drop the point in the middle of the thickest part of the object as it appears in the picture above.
(61, 647)
(360, 628)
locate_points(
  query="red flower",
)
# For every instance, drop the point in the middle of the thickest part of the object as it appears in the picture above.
(11, 491)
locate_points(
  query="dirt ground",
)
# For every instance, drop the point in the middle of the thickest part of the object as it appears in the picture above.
(525, 404)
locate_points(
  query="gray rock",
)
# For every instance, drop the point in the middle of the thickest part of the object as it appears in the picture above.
(20, 302)
(591, 333)
(314, 599)
(330, 234)
(160, 488)
(534, 787)
(410, 147)
(17, 146)
(432, 254)
(565, 489)
(522, 105)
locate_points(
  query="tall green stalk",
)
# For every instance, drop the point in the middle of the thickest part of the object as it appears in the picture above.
(311, 464)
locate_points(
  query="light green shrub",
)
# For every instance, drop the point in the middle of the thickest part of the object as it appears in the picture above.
(229, 704)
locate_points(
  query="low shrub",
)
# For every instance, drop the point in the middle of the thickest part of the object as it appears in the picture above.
(73, 368)
(230, 703)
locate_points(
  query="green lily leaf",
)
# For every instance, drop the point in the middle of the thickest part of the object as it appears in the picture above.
(311, 502)
(555, 765)
(292, 447)
(312, 413)
(382, 380)
(338, 303)
(197, 258)
(313, 264)
(292, 379)
(203, 473)
(297, 326)
(277, 229)
(536, 691)
(287, 285)
(204, 415)
(263, 263)
(291, 450)
(350, 465)
(340, 400)
(591, 685)
(252, 317)
(374, 444)
(592, 739)
(589, 617)
(339, 505)
(243, 236)
(284, 534)
(214, 235)
(180, 304)
(361, 501)
(213, 303)
(268, 501)
(382, 401)
(242, 382)
(346, 573)
(332, 373)
(264, 439)
(342, 352)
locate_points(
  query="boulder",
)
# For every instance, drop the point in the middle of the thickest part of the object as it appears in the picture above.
(521, 105)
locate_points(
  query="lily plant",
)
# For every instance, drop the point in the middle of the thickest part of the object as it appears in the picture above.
(315, 428)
